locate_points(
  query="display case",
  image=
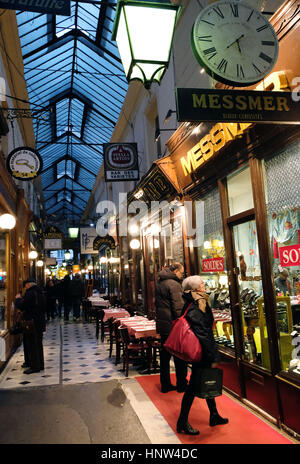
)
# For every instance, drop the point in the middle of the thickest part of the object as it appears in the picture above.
(285, 328)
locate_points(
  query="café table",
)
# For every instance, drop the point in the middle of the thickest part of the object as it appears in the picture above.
(105, 314)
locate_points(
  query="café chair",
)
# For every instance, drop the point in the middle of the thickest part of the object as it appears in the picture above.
(114, 338)
(155, 346)
(101, 326)
(133, 350)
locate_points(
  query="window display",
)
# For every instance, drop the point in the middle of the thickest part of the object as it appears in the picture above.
(213, 269)
(282, 173)
(255, 334)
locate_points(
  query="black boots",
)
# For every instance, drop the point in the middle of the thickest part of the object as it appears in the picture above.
(185, 427)
(215, 418)
(182, 424)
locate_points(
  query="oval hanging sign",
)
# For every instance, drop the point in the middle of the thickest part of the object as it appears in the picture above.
(24, 163)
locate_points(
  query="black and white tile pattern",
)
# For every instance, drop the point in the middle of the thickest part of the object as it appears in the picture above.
(72, 355)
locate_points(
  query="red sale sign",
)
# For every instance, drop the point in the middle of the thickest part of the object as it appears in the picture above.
(213, 265)
(290, 255)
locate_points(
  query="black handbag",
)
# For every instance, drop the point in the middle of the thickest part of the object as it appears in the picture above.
(208, 382)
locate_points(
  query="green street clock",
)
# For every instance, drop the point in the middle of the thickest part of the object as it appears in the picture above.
(234, 43)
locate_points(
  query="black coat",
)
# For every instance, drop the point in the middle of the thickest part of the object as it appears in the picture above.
(201, 324)
(168, 300)
(76, 288)
(33, 307)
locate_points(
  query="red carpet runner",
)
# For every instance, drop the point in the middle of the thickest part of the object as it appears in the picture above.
(243, 428)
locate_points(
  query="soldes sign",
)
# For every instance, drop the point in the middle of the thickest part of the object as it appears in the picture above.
(290, 255)
(213, 265)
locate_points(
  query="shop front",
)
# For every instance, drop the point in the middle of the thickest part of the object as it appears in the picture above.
(156, 233)
(246, 202)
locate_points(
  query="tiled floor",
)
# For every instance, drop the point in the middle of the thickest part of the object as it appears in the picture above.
(72, 355)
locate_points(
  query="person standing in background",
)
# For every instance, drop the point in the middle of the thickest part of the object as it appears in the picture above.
(32, 307)
(67, 297)
(77, 292)
(282, 283)
(169, 303)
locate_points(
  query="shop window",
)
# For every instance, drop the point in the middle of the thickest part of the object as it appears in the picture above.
(239, 191)
(213, 268)
(282, 173)
(255, 334)
(3, 270)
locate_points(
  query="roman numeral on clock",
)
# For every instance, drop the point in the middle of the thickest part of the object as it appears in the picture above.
(208, 51)
(239, 71)
(270, 43)
(235, 9)
(219, 12)
(265, 57)
(205, 38)
(256, 68)
(222, 65)
(261, 28)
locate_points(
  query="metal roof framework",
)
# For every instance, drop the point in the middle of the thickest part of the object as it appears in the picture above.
(76, 86)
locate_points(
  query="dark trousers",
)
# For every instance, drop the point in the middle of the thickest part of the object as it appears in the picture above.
(59, 306)
(67, 309)
(188, 399)
(51, 307)
(180, 367)
(76, 307)
(33, 350)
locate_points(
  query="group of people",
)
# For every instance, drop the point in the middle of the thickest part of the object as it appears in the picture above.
(36, 305)
(172, 298)
(68, 293)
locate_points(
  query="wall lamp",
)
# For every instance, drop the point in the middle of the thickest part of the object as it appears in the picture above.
(7, 221)
(158, 131)
(168, 115)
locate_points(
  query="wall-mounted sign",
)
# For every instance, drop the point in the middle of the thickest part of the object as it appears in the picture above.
(153, 187)
(120, 161)
(52, 244)
(218, 137)
(53, 232)
(58, 7)
(24, 163)
(213, 265)
(107, 241)
(87, 237)
(290, 255)
(197, 105)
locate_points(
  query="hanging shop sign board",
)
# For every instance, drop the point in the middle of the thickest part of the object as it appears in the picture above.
(215, 105)
(290, 255)
(107, 241)
(213, 265)
(153, 187)
(87, 237)
(58, 7)
(24, 163)
(120, 162)
(52, 244)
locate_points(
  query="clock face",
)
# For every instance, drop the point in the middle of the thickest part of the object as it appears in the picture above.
(234, 43)
(24, 163)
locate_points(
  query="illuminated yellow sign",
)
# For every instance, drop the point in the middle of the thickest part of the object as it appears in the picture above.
(223, 133)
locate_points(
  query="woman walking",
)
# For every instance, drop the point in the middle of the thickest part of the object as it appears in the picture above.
(201, 319)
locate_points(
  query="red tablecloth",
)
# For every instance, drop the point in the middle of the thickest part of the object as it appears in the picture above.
(221, 316)
(139, 327)
(115, 313)
(99, 302)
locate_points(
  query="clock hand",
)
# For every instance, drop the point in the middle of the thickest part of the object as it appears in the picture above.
(237, 40)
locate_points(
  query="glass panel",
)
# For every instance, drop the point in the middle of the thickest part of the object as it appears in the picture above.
(255, 333)
(3, 296)
(213, 267)
(283, 207)
(239, 192)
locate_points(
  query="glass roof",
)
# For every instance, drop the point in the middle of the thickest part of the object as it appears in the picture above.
(76, 86)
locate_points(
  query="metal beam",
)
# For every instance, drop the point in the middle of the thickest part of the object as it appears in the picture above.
(66, 157)
(65, 176)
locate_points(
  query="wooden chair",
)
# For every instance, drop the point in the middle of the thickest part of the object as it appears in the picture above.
(155, 346)
(133, 350)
